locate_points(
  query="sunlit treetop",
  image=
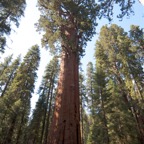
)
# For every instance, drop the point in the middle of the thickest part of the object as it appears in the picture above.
(63, 18)
(58, 17)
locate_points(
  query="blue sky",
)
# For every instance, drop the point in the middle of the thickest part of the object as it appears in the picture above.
(22, 38)
(136, 19)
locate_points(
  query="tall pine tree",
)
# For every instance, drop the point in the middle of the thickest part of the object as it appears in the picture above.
(117, 55)
(39, 125)
(8, 75)
(90, 87)
(5, 64)
(15, 104)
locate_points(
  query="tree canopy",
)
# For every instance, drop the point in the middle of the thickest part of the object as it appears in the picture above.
(11, 11)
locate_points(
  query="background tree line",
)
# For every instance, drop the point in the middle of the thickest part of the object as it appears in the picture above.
(115, 87)
(111, 93)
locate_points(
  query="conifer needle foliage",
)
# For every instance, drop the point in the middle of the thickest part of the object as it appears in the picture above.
(15, 103)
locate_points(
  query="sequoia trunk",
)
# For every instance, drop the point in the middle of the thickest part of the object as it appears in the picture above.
(65, 127)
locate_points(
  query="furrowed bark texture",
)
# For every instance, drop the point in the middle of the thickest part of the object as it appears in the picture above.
(65, 127)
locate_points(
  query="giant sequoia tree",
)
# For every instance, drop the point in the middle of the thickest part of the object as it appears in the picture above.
(67, 26)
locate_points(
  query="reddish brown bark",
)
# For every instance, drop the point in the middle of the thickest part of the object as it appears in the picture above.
(65, 127)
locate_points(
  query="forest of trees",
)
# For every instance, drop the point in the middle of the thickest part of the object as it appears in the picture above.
(104, 105)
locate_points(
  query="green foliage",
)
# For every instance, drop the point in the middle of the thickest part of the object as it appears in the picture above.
(2, 43)
(90, 86)
(67, 22)
(118, 87)
(11, 11)
(83, 117)
(114, 89)
(15, 104)
(99, 130)
(106, 8)
(72, 23)
(5, 64)
(41, 118)
(8, 75)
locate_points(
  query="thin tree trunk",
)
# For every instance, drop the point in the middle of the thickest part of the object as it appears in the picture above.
(129, 102)
(105, 120)
(138, 123)
(5, 88)
(48, 117)
(45, 113)
(65, 127)
(8, 139)
(82, 125)
(133, 78)
(20, 128)
(133, 110)
(4, 19)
